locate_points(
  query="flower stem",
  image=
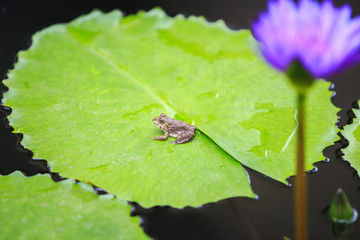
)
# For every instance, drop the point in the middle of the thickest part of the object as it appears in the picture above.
(300, 198)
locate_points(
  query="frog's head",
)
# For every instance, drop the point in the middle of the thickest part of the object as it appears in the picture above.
(160, 121)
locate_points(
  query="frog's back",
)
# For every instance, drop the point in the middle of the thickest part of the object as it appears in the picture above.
(178, 122)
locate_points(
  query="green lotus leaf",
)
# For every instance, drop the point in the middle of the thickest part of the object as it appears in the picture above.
(352, 134)
(85, 93)
(39, 208)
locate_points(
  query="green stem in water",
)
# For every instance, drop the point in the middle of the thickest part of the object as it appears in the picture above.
(302, 81)
(300, 204)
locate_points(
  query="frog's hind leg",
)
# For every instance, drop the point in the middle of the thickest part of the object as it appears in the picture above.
(163, 137)
(183, 138)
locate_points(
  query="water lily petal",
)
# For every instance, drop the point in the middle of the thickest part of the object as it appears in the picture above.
(324, 38)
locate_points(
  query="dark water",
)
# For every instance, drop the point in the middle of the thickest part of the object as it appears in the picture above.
(269, 217)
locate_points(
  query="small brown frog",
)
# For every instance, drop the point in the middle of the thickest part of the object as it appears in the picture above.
(180, 130)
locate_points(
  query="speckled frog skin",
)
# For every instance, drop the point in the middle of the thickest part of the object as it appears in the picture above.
(180, 130)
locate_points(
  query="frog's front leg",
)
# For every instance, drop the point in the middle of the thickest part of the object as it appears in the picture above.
(184, 138)
(163, 137)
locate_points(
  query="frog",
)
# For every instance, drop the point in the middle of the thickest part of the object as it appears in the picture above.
(182, 131)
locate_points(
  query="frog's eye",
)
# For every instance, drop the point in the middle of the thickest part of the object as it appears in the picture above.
(161, 121)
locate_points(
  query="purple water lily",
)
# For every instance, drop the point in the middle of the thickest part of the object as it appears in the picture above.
(323, 38)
